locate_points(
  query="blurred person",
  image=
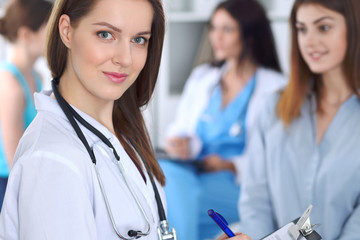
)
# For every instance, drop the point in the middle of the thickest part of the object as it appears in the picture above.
(84, 168)
(217, 109)
(305, 147)
(23, 26)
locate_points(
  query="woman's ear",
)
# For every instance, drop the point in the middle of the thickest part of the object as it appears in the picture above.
(23, 33)
(65, 30)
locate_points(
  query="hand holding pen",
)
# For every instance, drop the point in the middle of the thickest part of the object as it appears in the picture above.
(239, 236)
(222, 223)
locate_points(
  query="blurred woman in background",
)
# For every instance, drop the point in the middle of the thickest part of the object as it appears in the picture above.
(217, 109)
(23, 25)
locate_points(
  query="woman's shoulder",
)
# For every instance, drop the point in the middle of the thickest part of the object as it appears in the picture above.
(268, 113)
(202, 77)
(205, 67)
(8, 81)
(11, 91)
(204, 71)
(272, 100)
(49, 138)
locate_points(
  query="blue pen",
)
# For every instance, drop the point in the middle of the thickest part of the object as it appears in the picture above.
(221, 222)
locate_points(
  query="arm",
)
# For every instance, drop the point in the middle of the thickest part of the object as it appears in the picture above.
(213, 163)
(351, 228)
(178, 140)
(181, 139)
(256, 211)
(12, 105)
(268, 83)
(181, 123)
(193, 100)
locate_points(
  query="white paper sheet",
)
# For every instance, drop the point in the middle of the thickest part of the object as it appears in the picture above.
(282, 234)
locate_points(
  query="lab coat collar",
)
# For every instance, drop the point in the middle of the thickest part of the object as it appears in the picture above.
(44, 102)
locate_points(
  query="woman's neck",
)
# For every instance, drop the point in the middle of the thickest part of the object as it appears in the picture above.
(19, 56)
(75, 94)
(335, 88)
(242, 71)
(235, 79)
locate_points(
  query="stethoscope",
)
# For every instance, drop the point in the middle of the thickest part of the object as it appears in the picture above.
(71, 114)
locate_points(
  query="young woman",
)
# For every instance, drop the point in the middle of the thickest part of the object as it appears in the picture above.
(84, 168)
(219, 104)
(18, 80)
(306, 148)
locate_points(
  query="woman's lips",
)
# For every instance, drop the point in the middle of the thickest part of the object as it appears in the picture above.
(317, 55)
(116, 77)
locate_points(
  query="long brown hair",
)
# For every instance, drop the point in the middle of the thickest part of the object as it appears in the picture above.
(23, 13)
(256, 35)
(301, 76)
(128, 121)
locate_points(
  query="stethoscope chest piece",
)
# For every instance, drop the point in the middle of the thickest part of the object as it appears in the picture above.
(164, 233)
(235, 129)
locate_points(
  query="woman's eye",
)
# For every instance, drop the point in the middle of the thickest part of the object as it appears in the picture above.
(105, 35)
(140, 40)
(301, 29)
(325, 28)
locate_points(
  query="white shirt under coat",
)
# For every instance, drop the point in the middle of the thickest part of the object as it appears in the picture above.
(53, 192)
(197, 93)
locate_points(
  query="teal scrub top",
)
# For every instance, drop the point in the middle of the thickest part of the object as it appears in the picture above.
(29, 112)
(222, 130)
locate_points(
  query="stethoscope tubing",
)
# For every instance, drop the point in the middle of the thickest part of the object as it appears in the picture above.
(71, 114)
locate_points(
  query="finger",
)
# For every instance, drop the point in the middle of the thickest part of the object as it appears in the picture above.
(239, 236)
(223, 237)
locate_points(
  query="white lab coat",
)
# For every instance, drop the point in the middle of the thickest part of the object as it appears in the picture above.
(197, 93)
(53, 192)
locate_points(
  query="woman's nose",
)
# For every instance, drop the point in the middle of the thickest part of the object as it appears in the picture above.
(215, 36)
(122, 54)
(311, 39)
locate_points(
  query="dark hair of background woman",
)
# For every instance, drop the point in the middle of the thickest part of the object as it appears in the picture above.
(127, 117)
(28, 13)
(257, 39)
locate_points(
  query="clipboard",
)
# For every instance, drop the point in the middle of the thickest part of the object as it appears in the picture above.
(299, 229)
(162, 154)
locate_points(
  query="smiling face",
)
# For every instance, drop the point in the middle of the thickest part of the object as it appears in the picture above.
(322, 38)
(225, 36)
(107, 49)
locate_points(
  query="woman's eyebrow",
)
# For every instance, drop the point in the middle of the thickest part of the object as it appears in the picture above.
(144, 33)
(118, 29)
(322, 18)
(108, 25)
(317, 20)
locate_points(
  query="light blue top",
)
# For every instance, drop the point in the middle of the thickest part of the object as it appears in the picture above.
(29, 112)
(222, 130)
(288, 171)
